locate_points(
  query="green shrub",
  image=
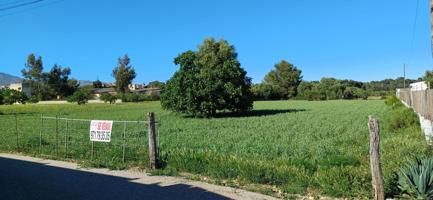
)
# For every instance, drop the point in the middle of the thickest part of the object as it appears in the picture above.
(127, 97)
(80, 97)
(344, 181)
(131, 97)
(34, 99)
(108, 98)
(154, 96)
(401, 117)
(393, 101)
(416, 179)
(9, 96)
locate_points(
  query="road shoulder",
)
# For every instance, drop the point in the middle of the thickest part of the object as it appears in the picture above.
(143, 178)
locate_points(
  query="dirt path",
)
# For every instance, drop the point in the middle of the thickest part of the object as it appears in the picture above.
(23, 177)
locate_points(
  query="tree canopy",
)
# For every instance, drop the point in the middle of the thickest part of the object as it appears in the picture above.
(124, 73)
(33, 74)
(285, 79)
(428, 77)
(97, 84)
(208, 80)
(58, 80)
(48, 85)
(156, 84)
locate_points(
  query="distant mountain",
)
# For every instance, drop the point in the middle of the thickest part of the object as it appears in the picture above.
(85, 83)
(6, 79)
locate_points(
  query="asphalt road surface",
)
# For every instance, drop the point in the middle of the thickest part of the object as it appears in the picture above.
(20, 179)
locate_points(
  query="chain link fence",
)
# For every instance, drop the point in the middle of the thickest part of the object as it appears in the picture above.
(58, 137)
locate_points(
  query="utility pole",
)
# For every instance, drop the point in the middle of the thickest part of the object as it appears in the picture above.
(404, 74)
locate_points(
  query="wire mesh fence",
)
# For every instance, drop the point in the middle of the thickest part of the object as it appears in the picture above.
(66, 138)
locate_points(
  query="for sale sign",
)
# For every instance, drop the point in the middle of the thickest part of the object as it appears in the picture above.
(100, 130)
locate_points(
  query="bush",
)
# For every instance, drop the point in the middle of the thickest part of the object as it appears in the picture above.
(265, 91)
(131, 97)
(393, 101)
(9, 96)
(416, 179)
(400, 118)
(80, 97)
(34, 99)
(154, 96)
(108, 98)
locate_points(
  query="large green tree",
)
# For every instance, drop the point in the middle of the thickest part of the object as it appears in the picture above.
(208, 80)
(285, 78)
(59, 82)
(33, 74)
(124, 73)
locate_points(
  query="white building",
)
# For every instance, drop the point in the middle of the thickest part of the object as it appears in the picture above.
(134, 87)
(418, 86)
(22, 87)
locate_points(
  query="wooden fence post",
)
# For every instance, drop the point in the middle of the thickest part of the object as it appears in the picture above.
(153, 152)
(375, 165)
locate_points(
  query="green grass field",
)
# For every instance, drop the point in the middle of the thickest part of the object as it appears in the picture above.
(300, 147)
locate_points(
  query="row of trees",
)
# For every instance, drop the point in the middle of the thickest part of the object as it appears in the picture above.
(48, 85)
(211, 80)
(56, 83)
(331, 88)
(285, 82)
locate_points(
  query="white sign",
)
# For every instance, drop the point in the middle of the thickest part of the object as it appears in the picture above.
(100, 130)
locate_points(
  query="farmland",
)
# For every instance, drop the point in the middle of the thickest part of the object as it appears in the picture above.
(299, 147)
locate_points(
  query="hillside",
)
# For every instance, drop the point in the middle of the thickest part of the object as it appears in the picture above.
(6, 79)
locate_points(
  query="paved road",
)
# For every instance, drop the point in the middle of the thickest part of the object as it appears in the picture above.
(20, 179)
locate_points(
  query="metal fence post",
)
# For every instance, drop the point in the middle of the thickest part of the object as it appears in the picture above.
(153, 155)
(157, 133)
(16, 131)
(40, 133)
(66, 138)
(91, 158)
(124, 141)
(57, 136)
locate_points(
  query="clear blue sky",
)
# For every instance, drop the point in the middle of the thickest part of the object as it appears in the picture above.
(362, 40)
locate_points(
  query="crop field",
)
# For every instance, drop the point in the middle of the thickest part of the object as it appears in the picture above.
(286, 147)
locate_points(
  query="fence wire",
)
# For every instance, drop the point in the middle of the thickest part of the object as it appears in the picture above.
(66, 138)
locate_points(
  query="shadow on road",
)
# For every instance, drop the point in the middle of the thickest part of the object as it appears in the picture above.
(28, 180)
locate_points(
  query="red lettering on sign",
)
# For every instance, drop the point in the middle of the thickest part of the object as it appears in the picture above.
(103, 126)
